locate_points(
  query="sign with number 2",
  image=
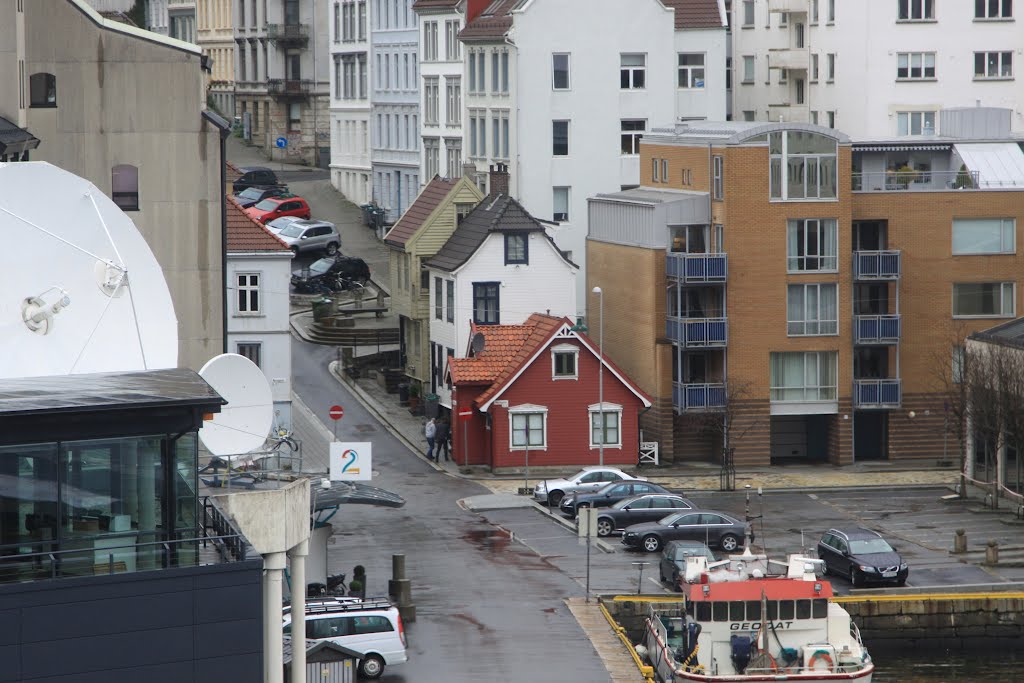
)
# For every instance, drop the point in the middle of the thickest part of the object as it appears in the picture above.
(351, 461)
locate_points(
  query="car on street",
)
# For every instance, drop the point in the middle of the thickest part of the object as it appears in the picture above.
(640, 509)
(716, 529)
(331, 274)
(863, 556)
(372, 626)
(672, 566)
(552, 491)
(311, 235)
(607, 495)
(278, 224)
(275, 207)
(254, 195)
(254, 176)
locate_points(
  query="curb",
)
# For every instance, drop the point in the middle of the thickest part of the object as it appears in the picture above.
(601, 545)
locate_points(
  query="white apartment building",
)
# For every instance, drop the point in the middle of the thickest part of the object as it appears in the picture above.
(874, 69)
(441, 72)
(350, 100)
(215, 37)
(566, 109)
(174, 18)
(394, 107)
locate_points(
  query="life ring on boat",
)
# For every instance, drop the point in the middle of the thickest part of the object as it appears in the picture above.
(821, 655)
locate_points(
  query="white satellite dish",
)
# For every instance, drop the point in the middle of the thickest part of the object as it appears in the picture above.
(244, 423)
(82, 292)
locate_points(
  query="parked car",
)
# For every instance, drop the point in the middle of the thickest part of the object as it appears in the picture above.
(552, 491)
(311, 235)
(372, 626)
(672, 566)
(255, 176)
(863, 556)
(716, 529)
(331, 274)
(254, 195)
(640, 509)
(607, 495)
(278, 224)
(275, 207)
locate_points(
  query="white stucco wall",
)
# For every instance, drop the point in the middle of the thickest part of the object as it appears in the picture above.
(445, 71)
(709, 102)
(350, 118)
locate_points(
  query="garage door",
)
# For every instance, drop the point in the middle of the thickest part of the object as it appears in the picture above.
(789, 437)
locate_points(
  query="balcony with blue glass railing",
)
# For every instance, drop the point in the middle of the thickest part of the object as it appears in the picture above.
(877, 265)
(697, 397)
(697, 332)
(877, 393)
(696, 268)
(877, 329)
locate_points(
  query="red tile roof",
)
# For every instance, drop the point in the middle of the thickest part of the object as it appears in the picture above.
(231, 173)
(245, 234)
(696, 13)
(493, 23)
(416, 215)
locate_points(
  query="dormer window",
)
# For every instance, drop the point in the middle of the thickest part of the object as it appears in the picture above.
(516, 250)
(563, 362)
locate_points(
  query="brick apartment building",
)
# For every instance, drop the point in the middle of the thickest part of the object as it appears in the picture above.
(803, 289)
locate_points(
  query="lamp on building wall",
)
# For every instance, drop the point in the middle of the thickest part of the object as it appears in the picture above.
(600, 375)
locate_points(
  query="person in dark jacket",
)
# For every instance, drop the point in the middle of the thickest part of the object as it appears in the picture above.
(442, 432)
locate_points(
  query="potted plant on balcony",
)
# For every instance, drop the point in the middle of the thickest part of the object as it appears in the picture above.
(963, 179)
(414, 397)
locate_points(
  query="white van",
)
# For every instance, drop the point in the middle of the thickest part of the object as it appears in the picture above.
(371, 626)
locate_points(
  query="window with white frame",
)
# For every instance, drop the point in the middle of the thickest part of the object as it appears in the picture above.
(993, 9)
(831, 11)
(472, 71)
(811, 245)
(812, 309)
(690, 70)
(453, 96)
(431, 94)
(802, 165)
(528, 427)
(564, 359)
(803, 376)
(451, 40)
(916, 10)
(748, 12)
(250, 350)
(814, 11)
(337, 22)
(361, 19)
(248, 293)
(655, 168)
(500, 133)
(632, 71)
(449, 288)
(993, 65)
(718, 186)
(915, 66)
(430, 41)
(814, 68)
(438, 299)
(748, 69)
(495, 76)
(432, 156)
(605, 424)
(664, 170)
(560, 204)
(504, 73)
(984, 236)
(478, 133)
(830, 67)
(631, 132)
(453, 149)
(481, 72)
(560, 71)
(984, 300)
(915, 123)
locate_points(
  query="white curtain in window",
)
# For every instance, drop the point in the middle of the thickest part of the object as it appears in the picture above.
(828, 309)
(528, 423)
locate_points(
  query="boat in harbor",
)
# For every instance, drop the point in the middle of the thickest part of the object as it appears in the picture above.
(749, 619)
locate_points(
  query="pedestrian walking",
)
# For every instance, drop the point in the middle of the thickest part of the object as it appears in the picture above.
(430, 431)
(441, 435)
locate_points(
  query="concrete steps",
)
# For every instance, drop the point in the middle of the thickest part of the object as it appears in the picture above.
(351, 336)
(610, 648)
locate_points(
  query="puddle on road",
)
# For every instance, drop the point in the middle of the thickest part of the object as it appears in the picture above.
(488, 539)
(497, 546)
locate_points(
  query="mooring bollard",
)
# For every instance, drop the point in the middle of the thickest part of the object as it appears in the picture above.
(400, 589)
(992, 552)
(960, 541)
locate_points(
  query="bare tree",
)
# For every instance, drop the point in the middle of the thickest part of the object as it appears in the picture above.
(951, 365)
(728, 430)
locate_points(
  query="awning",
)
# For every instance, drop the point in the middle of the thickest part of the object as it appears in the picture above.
(998, 164)
(14, 140)
(937, 147)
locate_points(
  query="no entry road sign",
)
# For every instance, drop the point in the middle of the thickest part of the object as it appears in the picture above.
(336, 412)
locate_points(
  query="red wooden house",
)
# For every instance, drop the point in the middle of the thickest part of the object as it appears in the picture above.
(533, 390)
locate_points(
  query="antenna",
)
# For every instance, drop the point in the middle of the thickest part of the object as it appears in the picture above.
(476, 345)
(243, 424)
(83, 292)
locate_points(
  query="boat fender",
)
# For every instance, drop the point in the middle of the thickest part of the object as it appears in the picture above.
(643, 654)
(742, 647)
(788, 655)
(819, 656)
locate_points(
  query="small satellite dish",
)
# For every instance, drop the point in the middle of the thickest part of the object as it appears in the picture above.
(243, 424)
(476, 344)
(82, 291)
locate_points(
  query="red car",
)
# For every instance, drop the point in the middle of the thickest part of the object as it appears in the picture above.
(275, 207)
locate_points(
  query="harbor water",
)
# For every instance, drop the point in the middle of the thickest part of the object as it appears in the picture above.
(987, 666)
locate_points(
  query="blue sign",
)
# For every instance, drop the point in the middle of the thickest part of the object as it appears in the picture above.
(282, 142)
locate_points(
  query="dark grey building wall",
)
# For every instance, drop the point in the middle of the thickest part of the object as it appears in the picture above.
(171, 626)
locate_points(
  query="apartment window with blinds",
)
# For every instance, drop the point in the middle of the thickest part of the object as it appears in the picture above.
(803, 376)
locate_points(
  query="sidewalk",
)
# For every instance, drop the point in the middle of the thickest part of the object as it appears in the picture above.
(690, 476)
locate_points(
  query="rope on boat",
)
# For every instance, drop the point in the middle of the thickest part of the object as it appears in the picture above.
(698, 668)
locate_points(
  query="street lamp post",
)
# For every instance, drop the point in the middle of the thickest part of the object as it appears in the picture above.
(600, 375)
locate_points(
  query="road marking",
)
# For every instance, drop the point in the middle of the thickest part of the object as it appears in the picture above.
(813, 496)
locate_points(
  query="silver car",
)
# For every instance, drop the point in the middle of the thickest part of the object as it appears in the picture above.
(278, 224)
(552, 491)
(311, 235)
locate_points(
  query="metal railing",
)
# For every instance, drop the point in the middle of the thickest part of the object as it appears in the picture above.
(289, 86)
(877, 393)
(697, 332)
(877, 329)
(226, 534)
(877, 265)
(288, 33)
(696, 267)
(915, 181)
(686, 397)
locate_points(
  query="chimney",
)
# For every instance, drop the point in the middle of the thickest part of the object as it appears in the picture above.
(469, 171)
(475, 8)
(498, 179)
